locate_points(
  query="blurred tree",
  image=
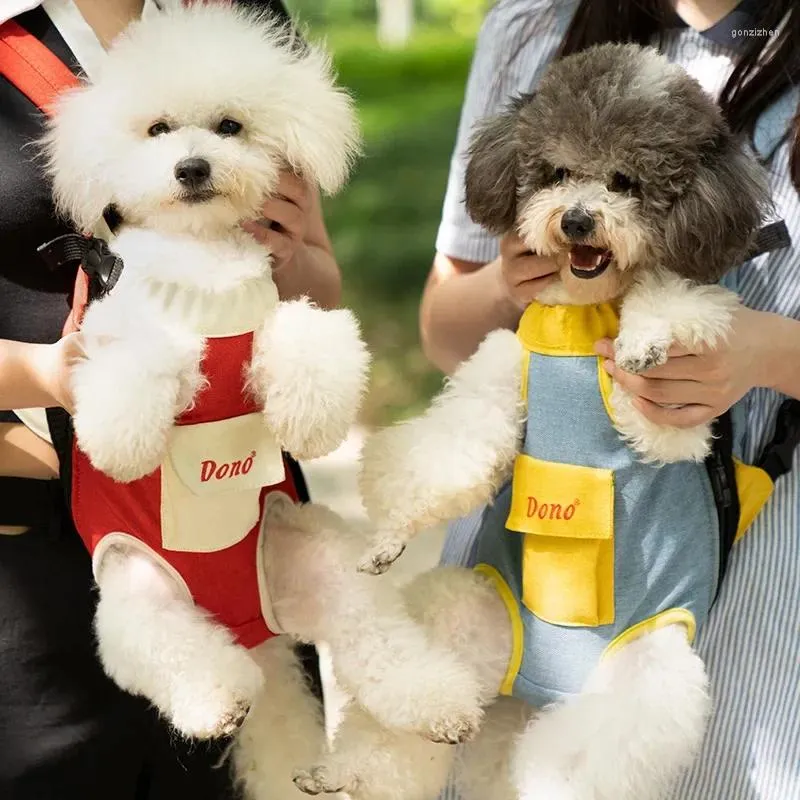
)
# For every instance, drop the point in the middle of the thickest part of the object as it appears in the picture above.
(464, 16)
(395, 22)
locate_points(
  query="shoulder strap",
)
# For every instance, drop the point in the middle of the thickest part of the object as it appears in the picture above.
(776, 460)
(30, 66)
(722, 474)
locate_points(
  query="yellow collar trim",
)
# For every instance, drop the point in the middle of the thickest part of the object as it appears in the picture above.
(566, 330)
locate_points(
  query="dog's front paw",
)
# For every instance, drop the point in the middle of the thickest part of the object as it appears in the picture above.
(638, 357)
(318, 780)
(387, 549)
(123, 415)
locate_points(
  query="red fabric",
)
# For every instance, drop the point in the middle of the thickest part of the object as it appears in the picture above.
(224, 364)
(38, 73)
(225, 582)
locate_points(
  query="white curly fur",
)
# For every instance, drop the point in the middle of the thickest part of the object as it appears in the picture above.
(407, 680)
(450, 460)
(662, 310)
(187, 261)
(309, 370)
(639, 721)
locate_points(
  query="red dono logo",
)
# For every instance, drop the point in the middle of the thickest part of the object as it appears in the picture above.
(210, 469)
(551, 510)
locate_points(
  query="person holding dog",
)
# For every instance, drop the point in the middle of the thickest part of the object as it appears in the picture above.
(66, 731)
(745, 54)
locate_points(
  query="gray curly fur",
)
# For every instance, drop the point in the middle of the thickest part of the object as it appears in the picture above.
(625, 108)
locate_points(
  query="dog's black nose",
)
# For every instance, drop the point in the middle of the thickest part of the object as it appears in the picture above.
(577, 223)
(193, 172)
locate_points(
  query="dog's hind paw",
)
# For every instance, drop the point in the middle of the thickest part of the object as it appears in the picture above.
(454, 728)
(317, 780)
(214, 700)
(211, 720)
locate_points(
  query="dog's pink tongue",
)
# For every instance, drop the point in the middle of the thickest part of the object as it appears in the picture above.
(581, 255)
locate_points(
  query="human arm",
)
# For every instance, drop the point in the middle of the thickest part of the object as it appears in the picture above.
(466, 292)
(463, 301)
(763, 350)
(293, 228)
(37, 375)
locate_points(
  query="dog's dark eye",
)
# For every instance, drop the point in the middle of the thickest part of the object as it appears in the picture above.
(560, 174)
(621, 183)
(158, 128)
(229, 127)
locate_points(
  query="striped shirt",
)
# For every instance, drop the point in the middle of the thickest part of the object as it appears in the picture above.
(751, 643)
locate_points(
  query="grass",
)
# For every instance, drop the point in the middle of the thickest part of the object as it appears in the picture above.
(384, 224)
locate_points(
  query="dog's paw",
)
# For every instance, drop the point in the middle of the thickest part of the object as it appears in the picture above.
(381, 557)
(209, 702)
(640, 357)
(212, 718)
(318, 780)
(454, 729)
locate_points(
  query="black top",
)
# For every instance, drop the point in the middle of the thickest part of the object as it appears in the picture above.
(34, 301)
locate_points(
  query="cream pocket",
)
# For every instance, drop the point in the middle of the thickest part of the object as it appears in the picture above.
(211, 481)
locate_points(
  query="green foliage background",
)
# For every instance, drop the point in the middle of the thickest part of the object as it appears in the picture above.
(384, 224)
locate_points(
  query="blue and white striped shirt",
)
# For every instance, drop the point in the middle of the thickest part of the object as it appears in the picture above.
(751, 643)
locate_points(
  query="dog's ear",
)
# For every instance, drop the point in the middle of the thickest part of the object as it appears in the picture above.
(710, 228)
(73, 159)
(491, 173)
(321, 132)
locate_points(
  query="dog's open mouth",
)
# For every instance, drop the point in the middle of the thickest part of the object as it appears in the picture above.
(588, 262)
(198, 196)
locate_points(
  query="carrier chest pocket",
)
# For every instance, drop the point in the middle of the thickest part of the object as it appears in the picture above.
(566, 514)
(211, 482)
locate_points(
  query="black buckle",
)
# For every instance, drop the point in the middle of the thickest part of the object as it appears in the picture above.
(779, 453)
(95, 257)
(774, 236)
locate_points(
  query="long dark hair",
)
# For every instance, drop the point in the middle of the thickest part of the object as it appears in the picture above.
(765, 69)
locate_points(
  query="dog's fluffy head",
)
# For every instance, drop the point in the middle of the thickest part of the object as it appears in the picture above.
(618, 162)
(192, 118)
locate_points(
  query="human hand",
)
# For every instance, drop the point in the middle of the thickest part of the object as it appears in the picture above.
(284, 220)
(523, 273)
(703, 384)
(54, 364)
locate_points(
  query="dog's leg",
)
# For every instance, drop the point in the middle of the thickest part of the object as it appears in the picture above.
(639, 722)
(284, 728)
(450, 460)
(462, 611)
(380, 655)
(309, 370)
(153, 642)
(136, 378)
(660, 311)
(483, 766)
(370, 762)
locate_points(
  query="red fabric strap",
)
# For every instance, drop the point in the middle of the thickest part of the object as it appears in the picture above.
(30, 66)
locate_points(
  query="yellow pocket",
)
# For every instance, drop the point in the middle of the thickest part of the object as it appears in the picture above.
(211, 482)
(567, 515)
(754, 487)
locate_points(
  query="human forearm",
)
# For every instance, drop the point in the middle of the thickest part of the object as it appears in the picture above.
(459, 308)
(23, 375)
(780, 368)
(312, 272)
